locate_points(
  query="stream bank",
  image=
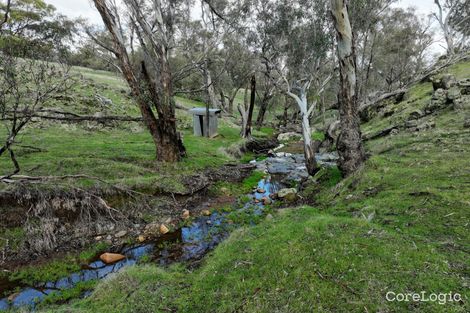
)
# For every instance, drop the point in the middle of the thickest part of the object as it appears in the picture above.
(187, 243)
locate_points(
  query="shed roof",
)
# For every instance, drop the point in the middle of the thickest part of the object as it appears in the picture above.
(202, 111)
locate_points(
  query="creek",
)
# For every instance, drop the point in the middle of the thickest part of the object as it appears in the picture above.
(188, 243)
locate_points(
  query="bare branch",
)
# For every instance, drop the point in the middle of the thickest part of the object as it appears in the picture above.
(7, 12)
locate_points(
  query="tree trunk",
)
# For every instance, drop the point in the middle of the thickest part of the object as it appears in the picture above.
(444, 23)
(309, 149)
(147, 92)
(285, 115)
(170, 147)
(247, 133)
(223, 104)
(263, 108)
(349, 146)
(243, 110)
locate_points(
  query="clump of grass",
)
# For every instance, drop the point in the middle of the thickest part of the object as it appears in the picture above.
(48, 272)
(318, 135)
(56, 269)
(65, 295)
(252, 181)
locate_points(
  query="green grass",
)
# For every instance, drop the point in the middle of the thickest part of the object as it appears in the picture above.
(115, 155)
(55, 269)
(318, 135)
(400, 224)
(302, 261)
(237, 189)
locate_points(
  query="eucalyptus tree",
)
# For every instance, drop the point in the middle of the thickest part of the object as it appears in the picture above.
(453, 17)
(300, 34)
(151, 83)
(349, 145)
(365, 17)
(33, 25)
(401, 46)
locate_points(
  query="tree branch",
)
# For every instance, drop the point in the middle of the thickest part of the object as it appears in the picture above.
(7, 11)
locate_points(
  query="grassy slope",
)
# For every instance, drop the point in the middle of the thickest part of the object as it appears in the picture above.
(401, 224)
(121, 154)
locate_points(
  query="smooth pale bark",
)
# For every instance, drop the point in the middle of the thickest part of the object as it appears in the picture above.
(444, 24)
(349, 146)
(158, 92)
(243, 110)
(309, 149)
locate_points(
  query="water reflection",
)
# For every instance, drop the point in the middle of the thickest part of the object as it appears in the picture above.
(188, 243)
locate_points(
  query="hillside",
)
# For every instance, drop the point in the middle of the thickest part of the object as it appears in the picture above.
(401, 225)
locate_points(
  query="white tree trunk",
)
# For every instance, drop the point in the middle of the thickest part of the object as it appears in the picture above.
(309, 149)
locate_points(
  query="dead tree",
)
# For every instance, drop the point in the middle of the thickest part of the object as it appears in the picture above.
(4, 19)
(249, 117)
(152, 86)
(349, 146)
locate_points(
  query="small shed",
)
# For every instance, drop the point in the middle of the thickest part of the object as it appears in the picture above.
(199, 121)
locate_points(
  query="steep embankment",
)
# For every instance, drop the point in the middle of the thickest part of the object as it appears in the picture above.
(399, 225)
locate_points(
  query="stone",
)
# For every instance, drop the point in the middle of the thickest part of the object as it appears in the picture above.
(120, 234)
(152, 229)
(445, 82)
(464, 86)
(185, 215)
(260, 190)
(266, 200)
(141, 238)
(411, 123)
(466, 123)
(416, 114)
(225, 191)
(269, 217)
(462, 103)
(98, 238)
(453, 93)
(438, 100)
(289, 194)
(164, 229)
(109, 237)
(13, 296)
(426, 125)
(206, 212)
(109, 258)
(289, 136)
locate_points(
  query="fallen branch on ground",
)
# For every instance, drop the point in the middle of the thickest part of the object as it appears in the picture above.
(72, 117)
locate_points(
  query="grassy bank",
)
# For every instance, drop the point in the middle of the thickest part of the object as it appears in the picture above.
(401, 224)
